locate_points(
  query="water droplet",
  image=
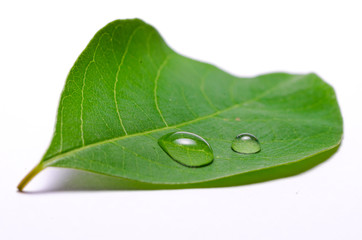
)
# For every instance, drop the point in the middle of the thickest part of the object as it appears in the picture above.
(187, 149)
(245, 143)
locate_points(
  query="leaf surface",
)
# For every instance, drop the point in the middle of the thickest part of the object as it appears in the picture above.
(128, 88)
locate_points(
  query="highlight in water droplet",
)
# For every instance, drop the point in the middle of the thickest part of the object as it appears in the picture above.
(187, 148)
(246, 143)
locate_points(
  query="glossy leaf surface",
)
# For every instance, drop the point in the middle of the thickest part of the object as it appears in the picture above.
(128, 88)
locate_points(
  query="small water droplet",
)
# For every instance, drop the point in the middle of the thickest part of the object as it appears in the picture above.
(187, 149)
(245, 143)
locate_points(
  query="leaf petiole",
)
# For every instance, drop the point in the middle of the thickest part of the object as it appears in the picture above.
(30, 176)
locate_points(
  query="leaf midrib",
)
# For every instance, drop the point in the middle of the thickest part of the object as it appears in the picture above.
(47, 162)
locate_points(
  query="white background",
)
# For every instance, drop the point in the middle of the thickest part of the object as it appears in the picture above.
(40, 41)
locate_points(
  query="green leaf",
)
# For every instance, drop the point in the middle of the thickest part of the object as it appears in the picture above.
(128, 88)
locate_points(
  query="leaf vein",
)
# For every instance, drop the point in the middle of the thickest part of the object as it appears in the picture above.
(155, 88)
(116, 81)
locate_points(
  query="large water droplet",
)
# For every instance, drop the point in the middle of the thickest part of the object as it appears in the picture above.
(187, 148)
(245, 143)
